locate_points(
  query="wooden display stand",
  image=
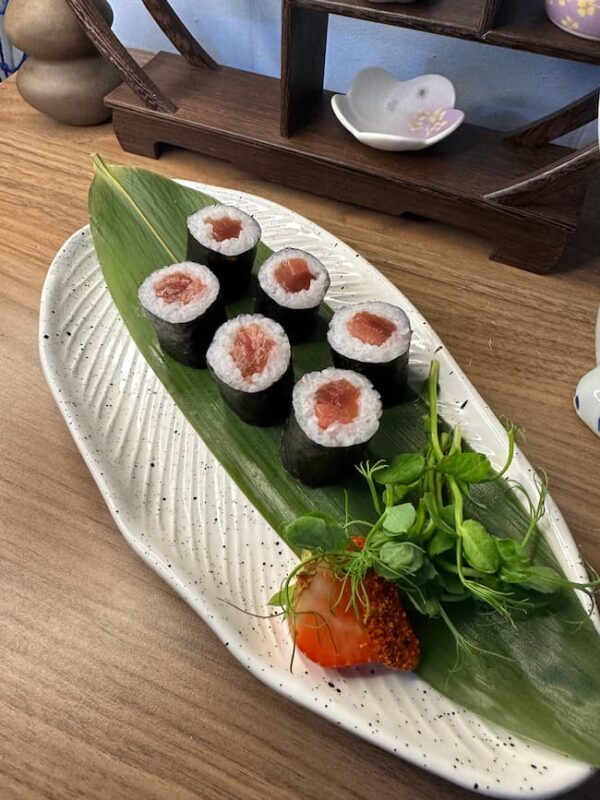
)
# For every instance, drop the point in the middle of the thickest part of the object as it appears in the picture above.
(521, 191)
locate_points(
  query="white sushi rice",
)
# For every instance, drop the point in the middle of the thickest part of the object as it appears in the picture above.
(338, 434)
(178, 311)
(220, 360)
(344, 343)
(306, 298)
(202, 230)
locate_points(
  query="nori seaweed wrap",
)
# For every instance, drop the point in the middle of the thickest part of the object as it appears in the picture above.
(334, 415)
(184, 303)
(225, 239)
(291, 288)
(373, 339)
(250, 360)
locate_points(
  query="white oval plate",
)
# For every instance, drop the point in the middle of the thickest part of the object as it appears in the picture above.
(182, 514)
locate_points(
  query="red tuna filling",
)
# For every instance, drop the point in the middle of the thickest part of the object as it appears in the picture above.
(294, 275)
(336, 401)
(251, 349)
(225, 228)
(178, 287)
(370, 328)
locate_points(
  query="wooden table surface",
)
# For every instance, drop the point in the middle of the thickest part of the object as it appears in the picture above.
(110, 686)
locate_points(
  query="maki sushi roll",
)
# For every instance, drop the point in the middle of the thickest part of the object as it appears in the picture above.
(184, 304)
(250, 360)
(373, 339)
(291, 287)
(335, 413)
(225, 239)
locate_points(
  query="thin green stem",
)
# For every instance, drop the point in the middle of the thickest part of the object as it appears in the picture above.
(432, 382)
(457, 497)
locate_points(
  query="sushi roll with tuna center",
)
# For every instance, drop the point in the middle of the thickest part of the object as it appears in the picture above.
(373, 339)
(335, 413)
(291, 288)
(250, 360)
(184, 304)
(225, 239)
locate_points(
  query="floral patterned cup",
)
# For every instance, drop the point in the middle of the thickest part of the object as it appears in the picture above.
(579, 17)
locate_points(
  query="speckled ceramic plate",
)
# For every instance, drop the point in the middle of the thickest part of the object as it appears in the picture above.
(182, 514)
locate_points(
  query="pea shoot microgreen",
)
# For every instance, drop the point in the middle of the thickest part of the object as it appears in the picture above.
(422, 540)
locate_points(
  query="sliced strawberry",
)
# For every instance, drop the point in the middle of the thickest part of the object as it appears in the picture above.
(329, 631)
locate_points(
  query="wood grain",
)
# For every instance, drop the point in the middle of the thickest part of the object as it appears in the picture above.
(303, 48)
(488, 15)
(566, 172)
(518, 24)
(235, 115)
(110, 686)
(524, 25)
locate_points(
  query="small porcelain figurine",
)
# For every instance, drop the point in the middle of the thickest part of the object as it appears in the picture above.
(579, 17)
(587, 394)
(388, 114)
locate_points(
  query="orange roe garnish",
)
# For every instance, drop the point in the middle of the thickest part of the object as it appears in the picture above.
(294, 275)
(251, 349)
(388, 625)
(329, 631)
(336, 401)
(225, 228)
(178, 287)
(370, 328)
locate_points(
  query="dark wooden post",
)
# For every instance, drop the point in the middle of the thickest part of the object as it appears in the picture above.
(488, 16)
(304, 42)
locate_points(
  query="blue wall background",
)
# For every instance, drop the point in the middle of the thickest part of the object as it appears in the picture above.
(496, 87)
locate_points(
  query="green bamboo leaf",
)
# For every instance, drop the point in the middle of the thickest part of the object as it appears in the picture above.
(138, 225)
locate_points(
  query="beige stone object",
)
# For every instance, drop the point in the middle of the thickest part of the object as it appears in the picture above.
(64, 76)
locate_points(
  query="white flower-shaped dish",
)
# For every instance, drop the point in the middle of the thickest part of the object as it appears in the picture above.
(387, 114)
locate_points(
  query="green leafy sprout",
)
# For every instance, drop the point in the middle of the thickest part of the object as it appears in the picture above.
(423, 542)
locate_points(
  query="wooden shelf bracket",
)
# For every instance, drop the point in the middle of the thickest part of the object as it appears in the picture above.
(548, 180)
(558, 123)
(179, 35)
(100, 33)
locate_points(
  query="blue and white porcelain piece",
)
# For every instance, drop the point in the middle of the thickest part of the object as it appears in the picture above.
(587, 394)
